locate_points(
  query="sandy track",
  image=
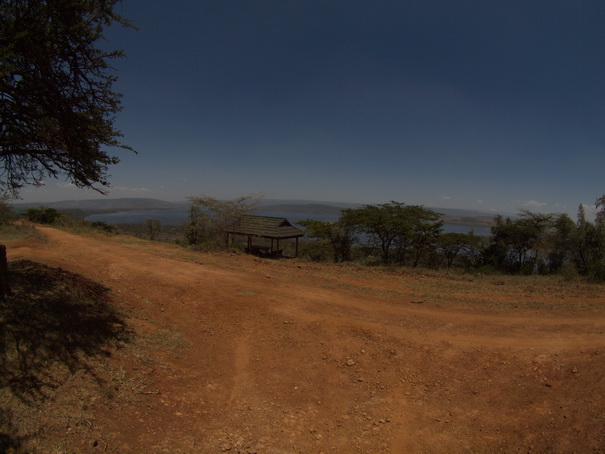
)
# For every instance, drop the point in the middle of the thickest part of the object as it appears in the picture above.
(288, 357)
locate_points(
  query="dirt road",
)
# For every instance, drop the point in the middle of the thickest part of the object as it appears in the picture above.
(264, 356)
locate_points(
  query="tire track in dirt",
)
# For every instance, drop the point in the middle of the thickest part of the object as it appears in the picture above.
(241, 361)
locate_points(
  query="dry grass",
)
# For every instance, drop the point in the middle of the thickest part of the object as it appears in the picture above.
(473, 291)
(502, 292)
(17, 232)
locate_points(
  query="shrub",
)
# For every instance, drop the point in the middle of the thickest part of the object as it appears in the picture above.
(105, 228)
(43, 215)
(316, 251)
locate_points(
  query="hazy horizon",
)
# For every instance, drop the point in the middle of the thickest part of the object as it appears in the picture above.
(590, 211)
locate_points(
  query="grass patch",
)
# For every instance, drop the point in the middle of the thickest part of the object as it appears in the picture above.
(163, 339)
(17, 232)
(503, 292)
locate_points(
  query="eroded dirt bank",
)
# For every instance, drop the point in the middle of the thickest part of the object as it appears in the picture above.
(291, 357)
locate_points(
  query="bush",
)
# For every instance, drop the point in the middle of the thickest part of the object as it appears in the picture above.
(316, 251)
(43, 215)
(105, 228)
(569, 272)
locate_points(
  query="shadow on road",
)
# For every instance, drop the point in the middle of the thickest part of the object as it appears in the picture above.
(54, 321)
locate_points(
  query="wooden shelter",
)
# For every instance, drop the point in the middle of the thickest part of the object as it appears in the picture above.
(268, 227)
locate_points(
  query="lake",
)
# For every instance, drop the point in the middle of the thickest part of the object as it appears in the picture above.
(178, 216)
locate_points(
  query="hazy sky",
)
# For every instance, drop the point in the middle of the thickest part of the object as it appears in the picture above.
(488, 105)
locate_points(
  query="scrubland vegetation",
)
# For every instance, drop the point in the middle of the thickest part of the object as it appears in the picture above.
(391, 234)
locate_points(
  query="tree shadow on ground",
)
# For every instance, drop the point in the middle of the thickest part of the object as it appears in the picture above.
(54, 321)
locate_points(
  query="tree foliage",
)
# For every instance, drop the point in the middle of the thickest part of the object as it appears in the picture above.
(517, 243)
(153, 227)
(225, 216)
(195, 226)
(57, 106)
(412, 235)
(339, 234)
(43, 215)
(379, 224)
(422, 230)
(7, 214)
(562, 243)
(589, 243)
(407, 229)
(451, 245)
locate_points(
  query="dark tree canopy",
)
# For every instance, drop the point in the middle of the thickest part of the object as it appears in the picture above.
(395, 225)
(57, 106)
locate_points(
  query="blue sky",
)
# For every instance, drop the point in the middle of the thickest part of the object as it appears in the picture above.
(494, 106)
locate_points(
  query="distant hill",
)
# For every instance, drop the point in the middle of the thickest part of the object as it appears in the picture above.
(311, 208)
(450, 215)
(83, 208)
(466, 217)
(104, 205)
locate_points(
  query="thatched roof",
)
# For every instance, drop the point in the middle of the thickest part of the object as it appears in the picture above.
(268, 227)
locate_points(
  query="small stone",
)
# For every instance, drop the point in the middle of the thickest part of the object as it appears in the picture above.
(350, 362)
(575, 370)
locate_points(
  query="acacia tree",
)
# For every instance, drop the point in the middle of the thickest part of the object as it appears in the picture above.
(195, 226)
(225, 216)
(423, 227)
(600, 206)
(57, 106)
(590, 243)
(563, 243)
(7, 215)
(452, 244)
(153, 227)
(395, 225)
(517, 243)
(339, 234)
(380, 224)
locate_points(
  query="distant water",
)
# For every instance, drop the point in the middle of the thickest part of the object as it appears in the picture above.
(167, 217)
(178, 216)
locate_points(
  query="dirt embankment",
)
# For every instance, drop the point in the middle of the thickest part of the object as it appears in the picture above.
(256, 356)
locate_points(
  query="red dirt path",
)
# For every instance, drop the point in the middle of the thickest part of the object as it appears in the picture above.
(291, 357)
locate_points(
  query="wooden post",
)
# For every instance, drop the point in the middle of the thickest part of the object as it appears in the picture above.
(5, 288)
